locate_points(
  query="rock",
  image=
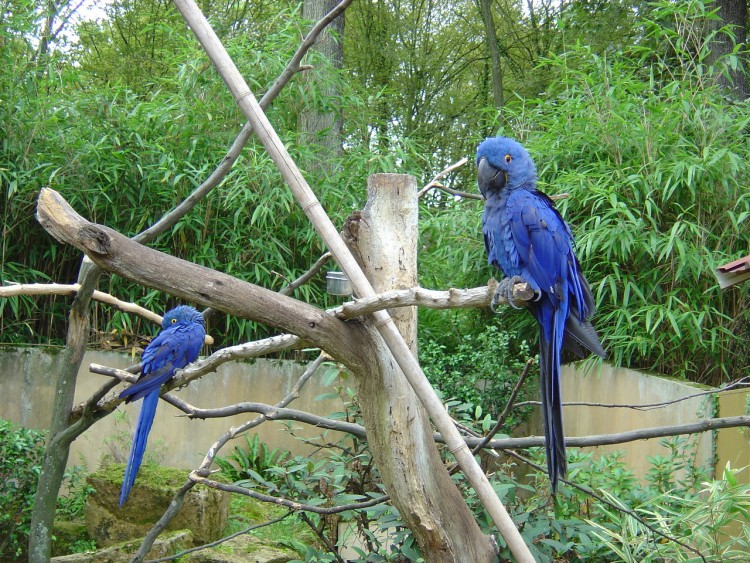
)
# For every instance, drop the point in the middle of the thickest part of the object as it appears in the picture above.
(204, 513)
(242, 549)
(164, 546)
(65, 533)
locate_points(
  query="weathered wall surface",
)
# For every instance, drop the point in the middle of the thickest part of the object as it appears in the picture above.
(27, 388)
(609, 385)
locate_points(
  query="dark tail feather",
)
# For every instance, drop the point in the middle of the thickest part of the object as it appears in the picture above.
(554, 436)
(581, 336)
(145, 420)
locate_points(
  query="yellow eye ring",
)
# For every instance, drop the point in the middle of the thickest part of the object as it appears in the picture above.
(508, 158)
(173, 321)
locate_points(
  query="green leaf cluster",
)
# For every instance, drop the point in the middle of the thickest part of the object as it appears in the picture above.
(480, 371)
(21, 451)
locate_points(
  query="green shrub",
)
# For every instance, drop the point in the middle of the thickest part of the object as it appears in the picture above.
(21, 451)
(480, 370)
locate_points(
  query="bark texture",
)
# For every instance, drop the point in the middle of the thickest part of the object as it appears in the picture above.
(398, 428)
(321, 125)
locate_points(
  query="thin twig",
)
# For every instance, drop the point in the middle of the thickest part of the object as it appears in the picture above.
(331, 548)
(503, 416)
(508, 407)
(294, 505)
(314, 269)
(742, 382)
(697, 427)
(434, 183)
(222, 540)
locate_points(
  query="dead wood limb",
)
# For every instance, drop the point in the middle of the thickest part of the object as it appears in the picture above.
(433, 299)
(196, 369)
(118, 254)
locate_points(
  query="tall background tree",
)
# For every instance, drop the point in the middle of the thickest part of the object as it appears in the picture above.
(321, 123)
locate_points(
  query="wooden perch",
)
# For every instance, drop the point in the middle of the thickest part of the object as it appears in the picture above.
(433, 299)
(73, 288)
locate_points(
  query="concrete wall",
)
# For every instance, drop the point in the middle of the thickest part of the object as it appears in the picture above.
(733, 444)
(609, 385)
(27, 389)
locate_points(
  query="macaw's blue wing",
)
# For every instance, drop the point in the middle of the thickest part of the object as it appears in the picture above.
(174, 348)
(544, 245)
(547, 260)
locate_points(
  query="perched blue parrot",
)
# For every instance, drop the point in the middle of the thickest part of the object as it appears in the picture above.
(178, 343)
(528, 240)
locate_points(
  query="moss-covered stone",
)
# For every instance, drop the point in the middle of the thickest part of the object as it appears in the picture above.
(204, 513)
(66, 534)
(165, 545)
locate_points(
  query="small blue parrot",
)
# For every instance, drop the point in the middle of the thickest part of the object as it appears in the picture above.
(528, 240)
(178, 343)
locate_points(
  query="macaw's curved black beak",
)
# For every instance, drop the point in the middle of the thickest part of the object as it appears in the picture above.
(489, 177)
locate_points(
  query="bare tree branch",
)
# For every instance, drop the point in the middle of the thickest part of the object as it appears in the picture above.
(194, 476)
(304, 278)
(222, 540)
(697, 427)
(506, 411)
(331, 548)
(433, 299)
(196, 369)
(742, 382)
(434, 183)
(292, 67)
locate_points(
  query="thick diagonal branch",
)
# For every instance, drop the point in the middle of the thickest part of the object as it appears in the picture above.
(113, 252)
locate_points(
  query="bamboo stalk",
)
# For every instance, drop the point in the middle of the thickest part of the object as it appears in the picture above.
(328, 232)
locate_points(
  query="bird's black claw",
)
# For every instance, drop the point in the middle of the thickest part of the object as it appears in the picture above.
(505, 291)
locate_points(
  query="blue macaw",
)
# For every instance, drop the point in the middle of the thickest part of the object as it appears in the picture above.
(528, 240)
(178, 343)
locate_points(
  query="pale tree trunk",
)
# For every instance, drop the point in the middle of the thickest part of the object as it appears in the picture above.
(58, 443)
(734, 14)
(322, 128)
(399, 432)
(496, 69)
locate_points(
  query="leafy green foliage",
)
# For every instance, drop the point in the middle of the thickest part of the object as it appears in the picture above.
(480, 370)
(70, 505)
(576, 526)
(21, 452)
(253, 462)
(654, 158)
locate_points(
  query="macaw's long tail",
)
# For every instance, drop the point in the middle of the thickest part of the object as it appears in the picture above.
(145, 420)
(550, 349)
